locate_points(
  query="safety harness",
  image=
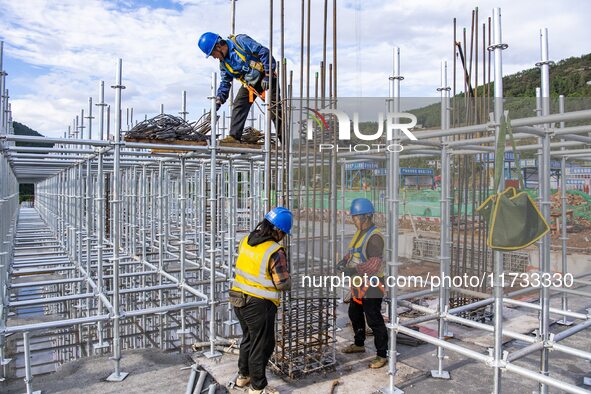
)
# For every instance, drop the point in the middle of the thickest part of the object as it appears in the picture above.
(251, 61)
(357, 251)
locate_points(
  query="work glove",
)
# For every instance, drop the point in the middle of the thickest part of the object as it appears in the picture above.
(265, 83)
(350, 272)
(341, 265)
(218, 103)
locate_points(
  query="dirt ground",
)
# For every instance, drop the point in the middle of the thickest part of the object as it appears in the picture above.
(579, 238)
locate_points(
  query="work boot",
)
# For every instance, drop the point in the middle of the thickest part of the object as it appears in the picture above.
(266, 390)
(242, 381)
(378, 362)
(352, 348)
(229, 140)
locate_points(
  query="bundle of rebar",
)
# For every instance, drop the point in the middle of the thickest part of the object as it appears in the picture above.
(470, 179)
(167, 127)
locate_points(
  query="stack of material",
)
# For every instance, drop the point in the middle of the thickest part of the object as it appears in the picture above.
(253, 136)
(578, 202)
(166, 127)
(571, 199)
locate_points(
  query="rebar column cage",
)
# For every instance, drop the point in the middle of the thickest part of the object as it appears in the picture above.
(126, 249)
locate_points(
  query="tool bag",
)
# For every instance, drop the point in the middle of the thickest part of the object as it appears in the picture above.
(513, 218)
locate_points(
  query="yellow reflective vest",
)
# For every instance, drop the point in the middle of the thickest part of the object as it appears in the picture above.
(358, 253)
(358, 246)
(252, 275)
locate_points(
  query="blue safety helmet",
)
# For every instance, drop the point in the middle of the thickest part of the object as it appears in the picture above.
(280, 217)
(361, 206)
(207, 42)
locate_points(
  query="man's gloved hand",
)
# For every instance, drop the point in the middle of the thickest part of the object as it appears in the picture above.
(218, 103)
(350, 272)
(265, 83)
(341, 265)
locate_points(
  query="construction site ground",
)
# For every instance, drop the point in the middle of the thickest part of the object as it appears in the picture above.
(153, 371)
(579, 239)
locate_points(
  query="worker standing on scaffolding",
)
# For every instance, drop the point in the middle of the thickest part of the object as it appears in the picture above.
(261, 274)
(365, 257)
(246, 60)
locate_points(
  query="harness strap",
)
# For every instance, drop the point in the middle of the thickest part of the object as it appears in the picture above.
(242, 54)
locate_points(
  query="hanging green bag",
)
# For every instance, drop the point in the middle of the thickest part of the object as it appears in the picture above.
(514, 220)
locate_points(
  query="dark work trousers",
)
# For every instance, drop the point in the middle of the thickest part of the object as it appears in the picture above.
(242, 108)
(370, 310)
(257, 320)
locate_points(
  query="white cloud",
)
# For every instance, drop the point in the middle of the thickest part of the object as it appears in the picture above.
(77, 44)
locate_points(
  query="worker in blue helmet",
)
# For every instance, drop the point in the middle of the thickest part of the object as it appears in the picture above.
(365, 258)
(246, 60)
(261, 274)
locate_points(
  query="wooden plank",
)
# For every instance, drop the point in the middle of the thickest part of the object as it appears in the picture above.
(241, 145)
(194, 143)
(166, 142)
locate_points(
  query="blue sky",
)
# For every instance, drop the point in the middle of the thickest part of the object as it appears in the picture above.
(56, 52)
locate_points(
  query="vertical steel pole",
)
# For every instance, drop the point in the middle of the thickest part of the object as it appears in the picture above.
(184, 112)
(160, 247)
(343, 209)
(2, 82)
(118, 375)
(90, 118)
(541, 180)
(5, 96)
(28, 374)
(144, 213)
(89, 237)
(232, 32)
(182, 249)
(444, 258)
(498, 47)
(4, 192)
(545, 204)
(213, 221)
(100, 217)
(267, 114)
(393, 202)
(79, 210)
(563, 235)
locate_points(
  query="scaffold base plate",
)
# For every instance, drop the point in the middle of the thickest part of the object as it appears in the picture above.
(213, 354)
(98, 346)
(440, 375)
(393, 390)
(587, 381)
(565, 322)
(35, 392)
(117, 378)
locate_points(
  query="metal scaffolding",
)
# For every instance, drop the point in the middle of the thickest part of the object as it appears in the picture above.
(127, 248)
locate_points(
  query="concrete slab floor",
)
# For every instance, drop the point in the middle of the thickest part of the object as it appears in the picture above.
(152, 371)
(415, 364)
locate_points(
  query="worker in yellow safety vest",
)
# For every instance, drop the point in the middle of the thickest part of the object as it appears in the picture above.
(261, 274)
(365, 260)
